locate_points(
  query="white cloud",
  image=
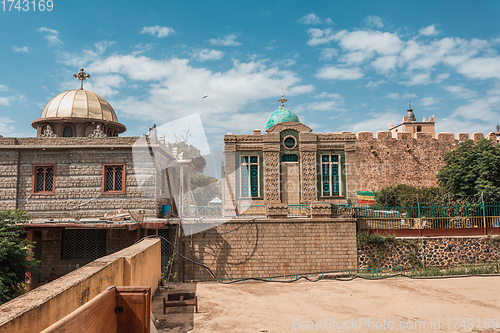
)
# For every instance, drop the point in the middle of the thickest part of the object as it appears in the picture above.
(393, 96)
(481, 68)
(375, 123)
(228, 40)
(329, 21)
(51, 35)
(6, 126)
(385, 64)
(157, 31)
(419, 79)
(332, 105)
(22, 49)
(428, 101)
(374, 21)
(4, 101)
(207, 54)
(429, 31)
(3, 87)
(174, 85)
(371, 42)
(339, 73)
(460, 92)
(310, 19)
(102, 46)
(328, 53)
(319, 36)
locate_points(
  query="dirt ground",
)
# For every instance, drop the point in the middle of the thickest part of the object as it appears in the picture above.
(466, 304)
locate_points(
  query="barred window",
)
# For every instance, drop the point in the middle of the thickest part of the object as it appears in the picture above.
(330, 175)
(44, 178)
(83, 244)
(113, 178)
(68, 131)
(249, 176)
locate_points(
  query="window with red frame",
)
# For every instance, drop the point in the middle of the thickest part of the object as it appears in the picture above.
(44, 178)
(113, 178)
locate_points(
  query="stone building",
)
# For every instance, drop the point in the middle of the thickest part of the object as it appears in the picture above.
(289, 165)
(77, 171)
(410, 124)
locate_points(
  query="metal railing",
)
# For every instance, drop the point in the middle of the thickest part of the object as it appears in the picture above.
(302, 210)
(482, 215)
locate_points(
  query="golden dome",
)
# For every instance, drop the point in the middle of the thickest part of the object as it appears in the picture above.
(79, 104)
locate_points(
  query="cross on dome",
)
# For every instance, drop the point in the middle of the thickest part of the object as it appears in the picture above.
(282, 100)
(82, 76)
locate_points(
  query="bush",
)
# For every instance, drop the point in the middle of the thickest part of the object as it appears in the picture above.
(16, 259)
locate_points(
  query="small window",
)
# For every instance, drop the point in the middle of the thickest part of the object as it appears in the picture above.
(68, 131)
(89, 130)
(289, 142)
(44, 179)
(419, 128)
(113, 178)
(249, 176)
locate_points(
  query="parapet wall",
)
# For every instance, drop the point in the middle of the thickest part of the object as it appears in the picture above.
(265, 248)
(386, 161)
(137, 265)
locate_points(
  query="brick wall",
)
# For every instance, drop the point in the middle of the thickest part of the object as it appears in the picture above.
(272, 248)
(385, 161)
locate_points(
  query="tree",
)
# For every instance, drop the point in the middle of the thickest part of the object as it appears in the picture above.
(16, 259)
(204, 187)
(472, 169)
(404, 195)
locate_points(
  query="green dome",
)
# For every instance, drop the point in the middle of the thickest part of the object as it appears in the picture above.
(280, 116)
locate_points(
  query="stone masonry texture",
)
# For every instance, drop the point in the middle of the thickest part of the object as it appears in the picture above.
(268, 249)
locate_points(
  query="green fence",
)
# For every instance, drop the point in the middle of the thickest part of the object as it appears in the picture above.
(481, 215)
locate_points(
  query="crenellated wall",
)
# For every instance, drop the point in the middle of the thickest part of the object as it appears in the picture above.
(387, 161)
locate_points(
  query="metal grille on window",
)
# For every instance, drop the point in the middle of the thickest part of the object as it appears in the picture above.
(68, 132)
(83, 244)
(254, 180)
(289, 158)
(249, 176)
(330, 175)
(40, 179)
(326, 179)
(109, 179)
(118, 179)
(335, 179)
(244, 180)
(163, 233)
(49, 178)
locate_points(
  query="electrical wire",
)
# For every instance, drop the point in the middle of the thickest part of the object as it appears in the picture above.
(303, 277)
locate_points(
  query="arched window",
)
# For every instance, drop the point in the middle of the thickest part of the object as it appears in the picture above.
(419, 128)
(68, 131)
(89, 130)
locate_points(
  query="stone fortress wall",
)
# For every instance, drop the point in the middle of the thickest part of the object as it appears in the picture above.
(386, 161)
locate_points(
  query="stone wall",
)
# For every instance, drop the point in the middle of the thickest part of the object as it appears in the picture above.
(264, 248)
(137, 265)
(385, 161)
(437, 251)
(79, 176)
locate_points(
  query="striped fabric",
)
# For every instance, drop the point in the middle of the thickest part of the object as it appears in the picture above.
(366, 197)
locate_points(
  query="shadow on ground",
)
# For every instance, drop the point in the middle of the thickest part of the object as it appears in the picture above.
(175, 319)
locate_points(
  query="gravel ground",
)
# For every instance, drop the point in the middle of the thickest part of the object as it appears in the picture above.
(466, 304)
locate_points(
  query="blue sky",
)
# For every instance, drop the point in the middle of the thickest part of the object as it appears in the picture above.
(346, 65)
